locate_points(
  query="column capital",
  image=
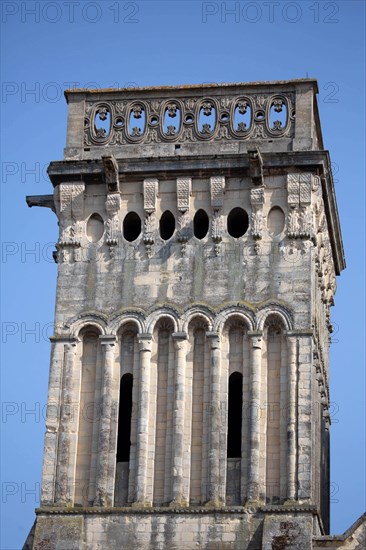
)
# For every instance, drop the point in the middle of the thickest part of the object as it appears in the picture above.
(215, 339)
(106, 339)
(145, 341)
(180, 340)
(180, 336)
(256, 337)
(64, 339)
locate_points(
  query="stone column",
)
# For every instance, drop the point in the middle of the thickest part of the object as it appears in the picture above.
(67, 440)
(253, 493)
(52, 422)
(104, 486)
(214, 477)
(291, 417)
(145, 344)
(180, 345)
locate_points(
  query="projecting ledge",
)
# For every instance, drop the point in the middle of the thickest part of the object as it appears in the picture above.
(41, 200)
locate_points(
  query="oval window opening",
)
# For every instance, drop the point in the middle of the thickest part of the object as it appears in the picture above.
(167, 225)
(242, 116)
(278, 114)
(137, 121)
(94, 228)
(131, 226)
(172, 119)
(207, 118)
(237, 223)
(275, 220)
(200, 224)
(102, 122)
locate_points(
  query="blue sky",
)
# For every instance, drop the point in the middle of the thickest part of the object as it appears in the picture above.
(48, 45)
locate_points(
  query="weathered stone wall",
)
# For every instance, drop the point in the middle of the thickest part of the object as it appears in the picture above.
(192, 252)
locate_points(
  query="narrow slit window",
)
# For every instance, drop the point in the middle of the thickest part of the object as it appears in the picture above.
(124, 419)
(235, 415)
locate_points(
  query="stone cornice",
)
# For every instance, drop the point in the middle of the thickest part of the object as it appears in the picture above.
(113, 93)
(200, 165)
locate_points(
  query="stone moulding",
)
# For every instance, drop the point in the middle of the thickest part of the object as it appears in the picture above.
(254, 317)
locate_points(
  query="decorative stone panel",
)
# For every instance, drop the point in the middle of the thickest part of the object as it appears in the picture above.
(184, 191)
(151, 189)
(217, 188)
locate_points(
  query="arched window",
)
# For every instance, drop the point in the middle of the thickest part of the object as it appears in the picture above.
(124, 419)
(163, 412)
(89, 360)
(235, 415)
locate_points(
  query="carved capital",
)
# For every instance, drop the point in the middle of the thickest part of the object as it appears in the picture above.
(256, 338)
(180, 340)
(144, 342)
(214, 339)
(107, 339)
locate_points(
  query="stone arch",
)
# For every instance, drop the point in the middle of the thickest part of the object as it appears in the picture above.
(97, 321)
(234, 312)
(128, 317)
(282, 314)
(200, 312)
(160, 314)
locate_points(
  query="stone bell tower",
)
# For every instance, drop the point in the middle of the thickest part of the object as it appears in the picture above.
(197, 257)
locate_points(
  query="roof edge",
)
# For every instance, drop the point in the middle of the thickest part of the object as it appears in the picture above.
(204, 85)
